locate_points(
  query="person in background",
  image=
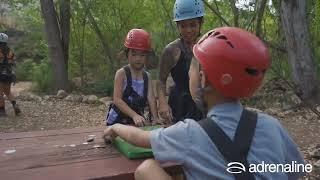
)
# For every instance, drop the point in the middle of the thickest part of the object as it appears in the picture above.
(7, 75)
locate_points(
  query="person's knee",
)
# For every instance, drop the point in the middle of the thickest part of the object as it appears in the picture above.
(145, 168)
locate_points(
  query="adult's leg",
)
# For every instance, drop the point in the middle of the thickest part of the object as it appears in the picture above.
(151, 169)
(8, 93)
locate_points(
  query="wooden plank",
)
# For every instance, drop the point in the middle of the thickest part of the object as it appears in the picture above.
(64, 154)
(7, 136)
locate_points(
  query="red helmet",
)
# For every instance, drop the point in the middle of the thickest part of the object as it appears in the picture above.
(138, 39)
(233, 60)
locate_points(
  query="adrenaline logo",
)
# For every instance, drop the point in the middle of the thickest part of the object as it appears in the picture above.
(237, 167)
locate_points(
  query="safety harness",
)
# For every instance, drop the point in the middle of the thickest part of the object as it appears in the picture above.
(136, 102)
(236, 150)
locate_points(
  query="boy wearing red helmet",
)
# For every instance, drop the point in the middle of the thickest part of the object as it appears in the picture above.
(233, 63)
(132, 84)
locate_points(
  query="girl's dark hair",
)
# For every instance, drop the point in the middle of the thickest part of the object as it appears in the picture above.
(126, 50)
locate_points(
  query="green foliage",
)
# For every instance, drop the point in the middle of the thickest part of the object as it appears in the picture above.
(24, 70)
(88, 58)
(314, 19)
(42, 76)
(101, 88)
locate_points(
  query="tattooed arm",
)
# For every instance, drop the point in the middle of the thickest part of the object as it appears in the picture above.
(169, 58)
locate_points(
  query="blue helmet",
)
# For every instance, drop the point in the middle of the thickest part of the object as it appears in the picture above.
(187, 9)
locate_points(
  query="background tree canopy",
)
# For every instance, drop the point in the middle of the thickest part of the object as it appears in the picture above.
(98, 28)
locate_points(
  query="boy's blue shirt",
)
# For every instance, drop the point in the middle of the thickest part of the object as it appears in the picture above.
(187, 143)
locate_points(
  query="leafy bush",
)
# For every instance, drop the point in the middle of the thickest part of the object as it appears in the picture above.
(42, 76)
(24, 70)
(101, 88)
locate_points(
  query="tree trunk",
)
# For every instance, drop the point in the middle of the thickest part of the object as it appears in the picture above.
(65, 28)
(56, 52)
(260, 13)
(82, 51)
(235, 13)
(295, 27)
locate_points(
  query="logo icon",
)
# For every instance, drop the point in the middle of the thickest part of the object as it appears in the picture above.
(236, 168)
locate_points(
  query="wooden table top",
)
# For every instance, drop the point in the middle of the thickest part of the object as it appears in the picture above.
(64, 154)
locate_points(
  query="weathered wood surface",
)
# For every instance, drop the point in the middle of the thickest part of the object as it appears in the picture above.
(63, 154)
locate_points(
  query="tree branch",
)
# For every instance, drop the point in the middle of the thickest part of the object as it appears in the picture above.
(102, 38)
(235, 13)
(215, 12)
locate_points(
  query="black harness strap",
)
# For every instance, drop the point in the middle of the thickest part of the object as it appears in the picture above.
(237, 150)
(145, 85)
(129, 90)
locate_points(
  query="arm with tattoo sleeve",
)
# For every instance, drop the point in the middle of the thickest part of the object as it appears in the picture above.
(168, 60)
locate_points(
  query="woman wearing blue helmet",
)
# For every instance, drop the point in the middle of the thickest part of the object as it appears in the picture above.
(176, 59)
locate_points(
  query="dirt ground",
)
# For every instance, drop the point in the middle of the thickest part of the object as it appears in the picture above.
(302, 124)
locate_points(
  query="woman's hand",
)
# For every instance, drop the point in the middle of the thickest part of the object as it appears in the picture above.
(165, 112)
(139, 120)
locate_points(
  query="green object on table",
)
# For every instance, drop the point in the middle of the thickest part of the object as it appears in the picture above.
(131, 151)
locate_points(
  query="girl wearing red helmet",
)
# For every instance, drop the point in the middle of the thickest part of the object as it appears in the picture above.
(176, 59)
(232, 142)
(132, 84)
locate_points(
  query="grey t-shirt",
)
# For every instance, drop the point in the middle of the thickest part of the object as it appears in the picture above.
(188, 144)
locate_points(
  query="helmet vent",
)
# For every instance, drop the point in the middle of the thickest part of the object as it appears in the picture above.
(216, 33)
(222, 37)
(209, 33)
(230, 44)
(252, 72)
(198, 12)
(131, 35)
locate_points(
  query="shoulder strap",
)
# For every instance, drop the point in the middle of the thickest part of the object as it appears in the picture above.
(145, 84)
(237, 150)
(245, 131)
(128, 75)
(219, 138)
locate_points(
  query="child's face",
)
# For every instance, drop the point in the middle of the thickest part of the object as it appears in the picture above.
(189, 29)
(137, 58)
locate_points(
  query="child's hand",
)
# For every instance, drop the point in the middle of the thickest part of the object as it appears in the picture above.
(109, 134)
(139, 120)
